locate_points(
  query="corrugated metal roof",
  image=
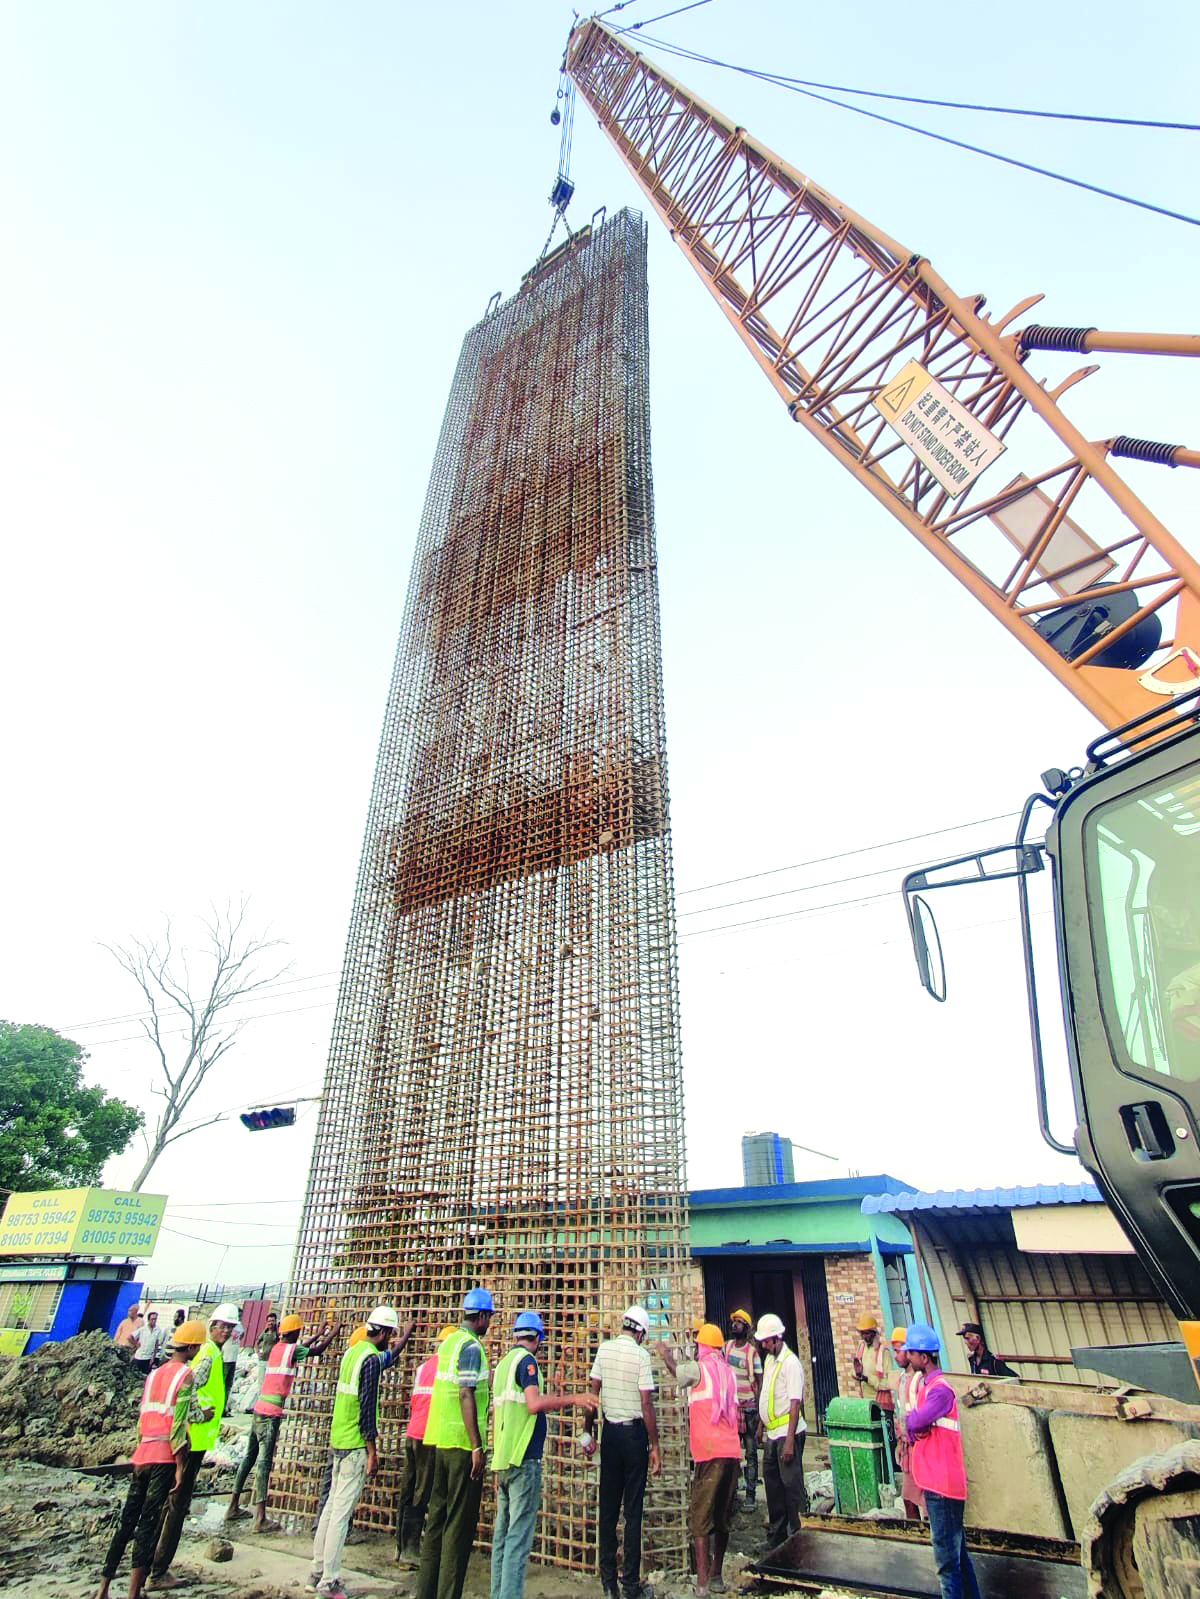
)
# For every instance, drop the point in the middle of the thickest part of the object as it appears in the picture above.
(984, 1198)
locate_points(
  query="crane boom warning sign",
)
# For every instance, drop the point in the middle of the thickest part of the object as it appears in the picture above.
(943, 435)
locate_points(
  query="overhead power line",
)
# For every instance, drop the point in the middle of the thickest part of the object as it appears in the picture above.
(793, 85)
(861, 849)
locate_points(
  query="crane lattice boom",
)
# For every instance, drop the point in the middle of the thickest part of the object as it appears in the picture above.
(916, 391)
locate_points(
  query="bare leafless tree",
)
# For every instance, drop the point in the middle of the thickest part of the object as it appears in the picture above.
(189, 1023)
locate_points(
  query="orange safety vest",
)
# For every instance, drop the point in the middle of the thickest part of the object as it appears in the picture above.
(710, 1439)
(418, 1413)
(277, 1380)
(158, 1413)
(937, 1459)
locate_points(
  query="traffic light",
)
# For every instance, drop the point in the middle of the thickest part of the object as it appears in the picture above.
(257, 1121)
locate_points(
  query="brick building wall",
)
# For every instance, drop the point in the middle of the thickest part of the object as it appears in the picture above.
(853, 1292)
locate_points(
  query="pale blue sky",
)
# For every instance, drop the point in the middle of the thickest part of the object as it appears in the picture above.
(244, 244)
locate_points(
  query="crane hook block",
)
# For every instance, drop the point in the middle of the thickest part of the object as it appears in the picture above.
(560, 194)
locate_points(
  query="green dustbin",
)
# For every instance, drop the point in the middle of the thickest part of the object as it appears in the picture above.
(856, 1454)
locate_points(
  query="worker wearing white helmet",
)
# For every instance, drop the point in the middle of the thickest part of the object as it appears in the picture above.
(781, 1429)
(623, 1376)
(208, 1386)
(352, 1434)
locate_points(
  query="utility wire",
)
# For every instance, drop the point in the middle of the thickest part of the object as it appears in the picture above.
(927, 133)
(135, 1015)
(219, 1243)
(806, 888)
(862, 849)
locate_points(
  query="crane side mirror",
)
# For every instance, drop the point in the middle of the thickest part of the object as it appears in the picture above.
(1015, 860)
(927, 947)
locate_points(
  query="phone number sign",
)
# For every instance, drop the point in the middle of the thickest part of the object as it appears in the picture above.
(81, 1221)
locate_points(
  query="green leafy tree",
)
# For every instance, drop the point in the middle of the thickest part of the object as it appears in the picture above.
(54, 1132)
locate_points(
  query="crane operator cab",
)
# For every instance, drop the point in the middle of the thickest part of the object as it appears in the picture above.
(1123, 850)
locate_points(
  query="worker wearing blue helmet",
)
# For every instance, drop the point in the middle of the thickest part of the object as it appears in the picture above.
(457, 1429)
(520, 1406)
(937, 1464)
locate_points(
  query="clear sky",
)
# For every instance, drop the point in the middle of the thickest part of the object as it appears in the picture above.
(244, 242)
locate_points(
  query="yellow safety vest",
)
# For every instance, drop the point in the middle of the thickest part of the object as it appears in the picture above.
(203, 1435)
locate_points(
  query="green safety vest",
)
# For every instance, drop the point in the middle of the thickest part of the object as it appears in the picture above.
(203, 1435)
(514, 1420)
(445, 1428)
(774, 1419)
(343, 1429)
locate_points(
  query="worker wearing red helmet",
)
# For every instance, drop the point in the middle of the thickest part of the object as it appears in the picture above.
(937, 1464)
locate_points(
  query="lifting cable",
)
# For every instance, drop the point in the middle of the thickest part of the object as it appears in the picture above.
(796, 86)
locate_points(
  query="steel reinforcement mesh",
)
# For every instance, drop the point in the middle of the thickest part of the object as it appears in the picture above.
(503, 1100)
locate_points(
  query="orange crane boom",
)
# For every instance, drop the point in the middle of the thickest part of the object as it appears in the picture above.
(920, 394)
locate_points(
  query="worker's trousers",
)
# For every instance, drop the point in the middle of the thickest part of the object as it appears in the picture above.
(450, 1526)
(416, 1487)
(264, 1435)
(518, 1495)
(148, 1490)
(748, 1423)
(787, 1497)
(956, 1574)
(178, 1505)
(624, 1458)
(345, 1490)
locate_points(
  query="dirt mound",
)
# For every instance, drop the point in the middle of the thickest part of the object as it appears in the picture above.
(69, 1404)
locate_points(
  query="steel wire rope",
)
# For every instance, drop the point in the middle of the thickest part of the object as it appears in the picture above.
(921, 99)
(927, 133)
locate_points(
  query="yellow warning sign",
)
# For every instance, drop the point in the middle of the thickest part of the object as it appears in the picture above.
(944, 436)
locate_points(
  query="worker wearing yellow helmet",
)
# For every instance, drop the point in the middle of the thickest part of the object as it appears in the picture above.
(169, 1405)
(283, 1363)
(873, 1366)
(742, 1354)
(909, 1383)
(416, 1482)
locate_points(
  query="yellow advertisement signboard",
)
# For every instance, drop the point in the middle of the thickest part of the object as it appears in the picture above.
(81, 1221)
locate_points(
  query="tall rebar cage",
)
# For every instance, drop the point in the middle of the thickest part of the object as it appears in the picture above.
(503, 1101)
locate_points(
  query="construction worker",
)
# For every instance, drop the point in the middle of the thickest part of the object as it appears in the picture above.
(208, 1378)
(716, 1450)
(907, 1395)
(623, 1376)
(979, 1357)
(937, 1464)
(742, 1354)
(456, 1429)
(416, 1483)
(521, 1403)
(285, 1359)
(781, 1430)
(168, 1405)
(872, 1363)
(353, 1430)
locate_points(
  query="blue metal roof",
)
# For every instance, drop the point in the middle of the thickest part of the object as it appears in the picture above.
(825, 1188)
(984, 1198)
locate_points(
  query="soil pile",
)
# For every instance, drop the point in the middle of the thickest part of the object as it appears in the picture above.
(70, 1404)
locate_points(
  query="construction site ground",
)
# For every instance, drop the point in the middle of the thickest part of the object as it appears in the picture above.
(55, 1525)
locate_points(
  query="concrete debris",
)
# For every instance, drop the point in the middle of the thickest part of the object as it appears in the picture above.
(218, 1550)
(70, 1404)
